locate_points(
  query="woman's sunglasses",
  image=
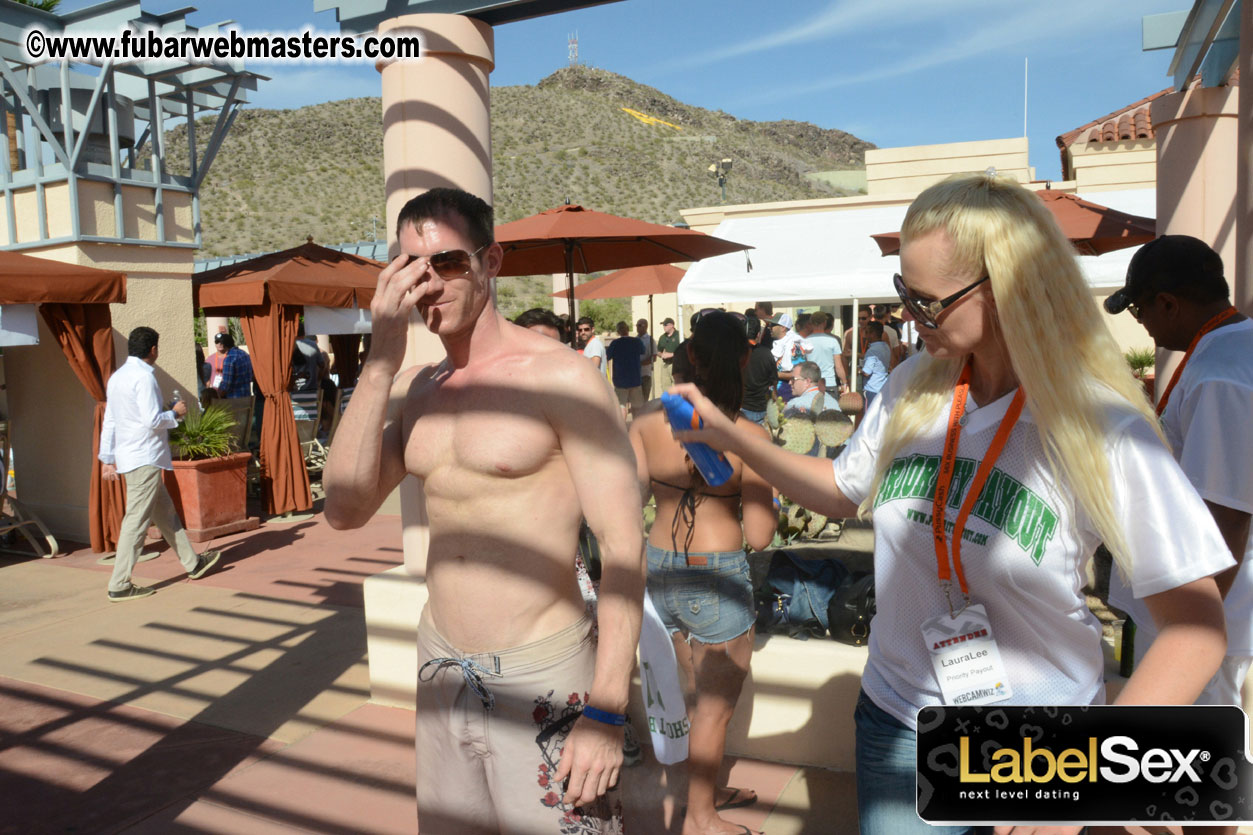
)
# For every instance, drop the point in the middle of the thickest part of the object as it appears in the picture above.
(926, 312)
(451, 263)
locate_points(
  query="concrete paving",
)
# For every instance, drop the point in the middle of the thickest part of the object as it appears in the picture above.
(239, 703)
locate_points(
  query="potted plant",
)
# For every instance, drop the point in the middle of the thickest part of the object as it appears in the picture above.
(209, 481)
(1141, 360)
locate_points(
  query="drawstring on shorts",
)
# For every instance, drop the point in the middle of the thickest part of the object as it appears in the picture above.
(472, 672)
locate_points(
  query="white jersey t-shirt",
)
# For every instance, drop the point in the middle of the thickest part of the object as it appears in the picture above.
(1206, 423)
(596, 348)
(1024, 549)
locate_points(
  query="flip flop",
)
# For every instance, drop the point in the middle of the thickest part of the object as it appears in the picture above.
(747, 831)
(739, 799)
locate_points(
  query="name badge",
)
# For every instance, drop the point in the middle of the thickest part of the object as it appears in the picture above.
(965, 657)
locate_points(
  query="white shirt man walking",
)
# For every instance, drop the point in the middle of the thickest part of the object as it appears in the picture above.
(134, 444)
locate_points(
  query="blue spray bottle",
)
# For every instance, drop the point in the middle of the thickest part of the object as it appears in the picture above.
(712, 465)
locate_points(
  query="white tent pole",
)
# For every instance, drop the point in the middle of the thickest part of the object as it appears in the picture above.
(852, 374)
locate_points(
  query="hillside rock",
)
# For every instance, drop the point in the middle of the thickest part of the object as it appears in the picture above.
(282, 175)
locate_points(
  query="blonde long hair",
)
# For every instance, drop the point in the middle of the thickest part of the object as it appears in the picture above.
(1058, 344)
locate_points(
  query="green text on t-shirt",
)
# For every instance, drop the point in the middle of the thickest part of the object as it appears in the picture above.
(1004, 502)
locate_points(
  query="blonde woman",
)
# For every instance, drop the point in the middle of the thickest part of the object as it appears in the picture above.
(1021, 429)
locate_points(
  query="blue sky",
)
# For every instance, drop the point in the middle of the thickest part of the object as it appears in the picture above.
(893, 72)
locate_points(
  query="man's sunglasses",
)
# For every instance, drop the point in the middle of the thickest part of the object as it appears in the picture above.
(926, 312)
(451, 263)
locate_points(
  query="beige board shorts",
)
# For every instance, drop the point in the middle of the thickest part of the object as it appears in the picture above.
(490, 729)
(632, 398)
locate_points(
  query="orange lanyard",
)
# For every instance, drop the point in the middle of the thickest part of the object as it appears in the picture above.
(944, 479)
(1206, 328)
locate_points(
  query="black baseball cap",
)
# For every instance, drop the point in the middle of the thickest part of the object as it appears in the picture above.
(1164, 264)
(667, 321)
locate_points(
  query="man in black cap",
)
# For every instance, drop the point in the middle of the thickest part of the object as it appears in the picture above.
(235, 377)
(667, 344)
(1175, 288)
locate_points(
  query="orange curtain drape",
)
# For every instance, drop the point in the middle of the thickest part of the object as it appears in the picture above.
(85, 334)
(347, 348)
(270, 330)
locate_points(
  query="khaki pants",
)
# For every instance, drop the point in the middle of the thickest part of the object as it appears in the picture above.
(490, 769)
(147, 500)
(664, 375)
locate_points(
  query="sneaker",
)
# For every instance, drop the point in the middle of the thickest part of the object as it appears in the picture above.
(132, 592)
(207, 560)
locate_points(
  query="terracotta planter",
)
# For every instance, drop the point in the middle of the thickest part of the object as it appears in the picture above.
(211, 496)
(1150, 386)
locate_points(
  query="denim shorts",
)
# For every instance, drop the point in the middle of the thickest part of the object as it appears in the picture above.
(710, 603)
(755, 416)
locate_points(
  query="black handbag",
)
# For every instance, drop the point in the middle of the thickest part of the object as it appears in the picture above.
(851, 610)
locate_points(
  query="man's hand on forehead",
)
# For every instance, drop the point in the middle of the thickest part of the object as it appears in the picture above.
(415, 278)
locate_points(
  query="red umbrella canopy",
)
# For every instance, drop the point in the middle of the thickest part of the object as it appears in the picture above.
(305, 275)
(25, 279)
(1095, 229)
(1092, 228)
(633, 281)
(572, 239)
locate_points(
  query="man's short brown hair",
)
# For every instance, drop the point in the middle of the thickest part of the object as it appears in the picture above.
(445, 203)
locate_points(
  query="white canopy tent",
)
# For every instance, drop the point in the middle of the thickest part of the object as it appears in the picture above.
(829, 257)
(799, 259)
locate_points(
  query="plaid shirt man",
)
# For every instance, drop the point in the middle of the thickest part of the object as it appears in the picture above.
(236, 375)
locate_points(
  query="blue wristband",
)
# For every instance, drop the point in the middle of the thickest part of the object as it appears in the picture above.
(605, 718)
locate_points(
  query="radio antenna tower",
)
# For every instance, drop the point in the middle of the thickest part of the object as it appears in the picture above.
(573, 44)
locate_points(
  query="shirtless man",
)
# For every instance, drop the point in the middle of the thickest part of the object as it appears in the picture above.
(516, 438)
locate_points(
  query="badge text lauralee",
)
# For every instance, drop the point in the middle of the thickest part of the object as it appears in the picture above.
(1038, 765)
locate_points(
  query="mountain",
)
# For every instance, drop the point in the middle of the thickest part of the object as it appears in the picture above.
(282, 175)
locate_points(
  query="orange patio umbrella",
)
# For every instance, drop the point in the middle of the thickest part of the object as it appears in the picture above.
(1093, 229)
(572, 239)
(633, 281)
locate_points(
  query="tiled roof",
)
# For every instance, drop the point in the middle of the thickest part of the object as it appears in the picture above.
(1131, 122)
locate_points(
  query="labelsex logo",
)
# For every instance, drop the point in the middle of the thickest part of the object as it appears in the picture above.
(1072, 765)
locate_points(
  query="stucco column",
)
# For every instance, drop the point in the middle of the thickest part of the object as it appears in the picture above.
(436, 132)
(213, 325)
(560, 303)
(1242, 286)
(1197, 141)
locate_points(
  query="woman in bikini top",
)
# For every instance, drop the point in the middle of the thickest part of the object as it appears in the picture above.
(698, 575)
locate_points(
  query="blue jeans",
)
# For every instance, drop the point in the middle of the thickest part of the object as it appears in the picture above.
(887, 776)
(755, 417)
